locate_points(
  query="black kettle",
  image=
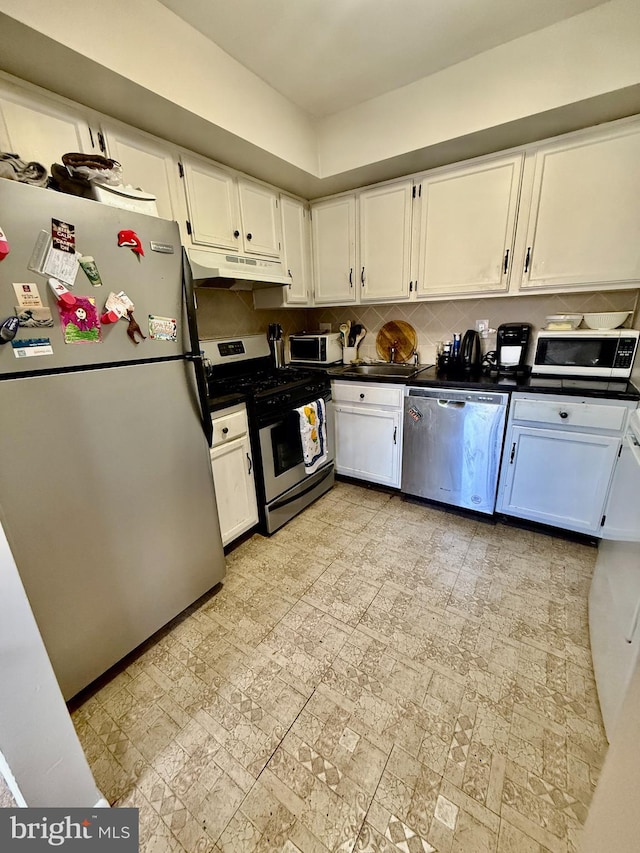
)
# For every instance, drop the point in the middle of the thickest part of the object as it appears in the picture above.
(470, 355)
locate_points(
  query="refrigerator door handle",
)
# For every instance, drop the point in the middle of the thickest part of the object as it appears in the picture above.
(194, 355)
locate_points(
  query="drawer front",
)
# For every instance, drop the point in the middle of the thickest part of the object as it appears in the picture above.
(368, 393)
(565, 414)
(226, 427)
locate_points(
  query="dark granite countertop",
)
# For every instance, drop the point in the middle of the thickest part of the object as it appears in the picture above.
(427, 377)
(225, 401)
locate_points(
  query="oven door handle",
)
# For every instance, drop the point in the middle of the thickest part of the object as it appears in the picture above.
(194, 355)
(292, 498)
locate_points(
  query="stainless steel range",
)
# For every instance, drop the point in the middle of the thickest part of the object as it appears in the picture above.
(244, 366)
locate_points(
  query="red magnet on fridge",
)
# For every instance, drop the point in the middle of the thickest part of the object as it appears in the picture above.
(131, 240)
(4, 245)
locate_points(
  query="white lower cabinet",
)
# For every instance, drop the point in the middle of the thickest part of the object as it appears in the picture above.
(368, 428)
(558, 460)
(233, 475)
(558, 478)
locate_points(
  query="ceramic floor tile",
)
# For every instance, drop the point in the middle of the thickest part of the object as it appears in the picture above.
(377, 676)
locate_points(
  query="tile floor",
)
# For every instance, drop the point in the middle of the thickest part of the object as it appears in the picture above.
(377, 676)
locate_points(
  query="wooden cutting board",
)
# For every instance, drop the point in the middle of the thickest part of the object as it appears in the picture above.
(400, 335)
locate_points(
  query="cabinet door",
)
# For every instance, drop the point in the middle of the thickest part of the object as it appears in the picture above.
(212, 199)
(467, 226)
(584, 221)
(333, 228)
(259, 212)
(41, 130)
(232, 465)
(297, 250)
(557, 477)
(150, 166)
(368, 444)
(385, 242)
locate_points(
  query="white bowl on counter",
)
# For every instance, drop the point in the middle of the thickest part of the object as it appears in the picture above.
(607, 320)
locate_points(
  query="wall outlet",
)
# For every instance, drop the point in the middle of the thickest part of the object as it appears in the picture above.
(482, 327)
(324, 327)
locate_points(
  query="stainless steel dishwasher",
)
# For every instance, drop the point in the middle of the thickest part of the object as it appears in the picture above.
(452, 444)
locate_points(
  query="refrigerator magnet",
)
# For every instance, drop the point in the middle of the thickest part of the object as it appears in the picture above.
(27, 294)
(130, 240)
(30, 347)
(80, 323)
(34, 318)
(90, 269)
(47, 260)
(4, 245)
(8, 329)
(162, 328)
(63, 236)
(134, 329)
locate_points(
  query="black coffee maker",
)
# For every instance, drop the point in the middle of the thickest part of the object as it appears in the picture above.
(511, 347)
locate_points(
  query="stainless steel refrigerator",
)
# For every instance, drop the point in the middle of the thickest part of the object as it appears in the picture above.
(106, 489)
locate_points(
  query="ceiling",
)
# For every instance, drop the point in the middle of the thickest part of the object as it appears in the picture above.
(329, 55)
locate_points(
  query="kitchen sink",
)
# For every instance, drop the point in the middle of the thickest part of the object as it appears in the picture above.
(400, 370)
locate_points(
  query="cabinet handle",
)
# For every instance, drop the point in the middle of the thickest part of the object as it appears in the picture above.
(250, 465)
(225, 430)
(506, 261)
(564, 415)
(362, 276)
(362, 396)
(249, 236)
(351, 277)
(395, 432)
(527, 259)
(410, 286)
(236, 234)
(291, 277)
(513, 453)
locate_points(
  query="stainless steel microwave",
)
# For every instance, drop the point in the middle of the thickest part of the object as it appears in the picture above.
(315, 348)
(603, 354)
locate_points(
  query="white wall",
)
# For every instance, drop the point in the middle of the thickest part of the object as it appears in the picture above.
(146, 43)
(577, 59)
(40, 754)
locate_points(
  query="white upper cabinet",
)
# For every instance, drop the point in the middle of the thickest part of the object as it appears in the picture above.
(385, 242)
(260, 219)
(297, 250)
(333, 226)
(39, 129)
(214, 212)
(584, 220)
(148, 166)
(467, 227)
(230, 213)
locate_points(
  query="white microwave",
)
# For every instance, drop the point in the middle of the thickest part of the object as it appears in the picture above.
(605, 354)
(315, 348)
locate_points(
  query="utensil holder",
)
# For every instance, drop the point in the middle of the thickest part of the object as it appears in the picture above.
(349, 354)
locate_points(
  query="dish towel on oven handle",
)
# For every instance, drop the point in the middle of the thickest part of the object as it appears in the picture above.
(313, 433)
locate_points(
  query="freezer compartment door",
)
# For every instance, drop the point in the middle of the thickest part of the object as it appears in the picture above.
(108, 502)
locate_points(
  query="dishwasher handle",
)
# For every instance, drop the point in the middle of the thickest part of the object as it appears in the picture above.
(452, 404)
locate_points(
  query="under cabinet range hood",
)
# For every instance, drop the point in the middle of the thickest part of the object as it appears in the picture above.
(234, 272)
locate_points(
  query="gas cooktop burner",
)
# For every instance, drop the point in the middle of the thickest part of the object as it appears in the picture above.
(261, 382)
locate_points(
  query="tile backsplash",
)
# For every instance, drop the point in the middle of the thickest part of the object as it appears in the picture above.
(437, 321)
(225, 313)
